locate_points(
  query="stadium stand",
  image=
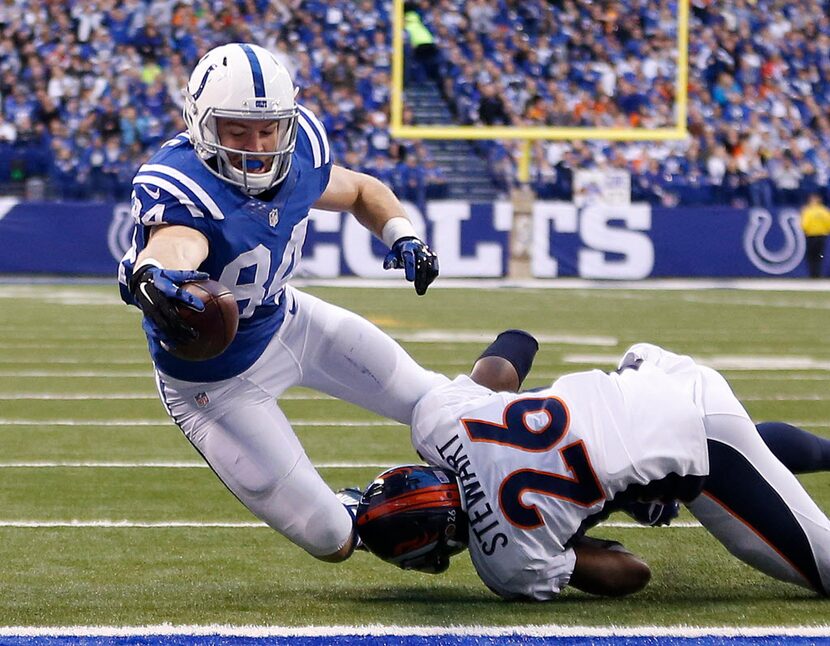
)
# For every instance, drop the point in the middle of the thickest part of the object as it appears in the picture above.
(88, 87)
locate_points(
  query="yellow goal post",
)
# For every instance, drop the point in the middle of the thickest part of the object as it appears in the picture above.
(534, 133)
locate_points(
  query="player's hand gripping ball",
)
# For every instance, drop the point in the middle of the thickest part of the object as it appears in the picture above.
(215, 326)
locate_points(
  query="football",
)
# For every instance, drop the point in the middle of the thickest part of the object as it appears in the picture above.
(215, 325)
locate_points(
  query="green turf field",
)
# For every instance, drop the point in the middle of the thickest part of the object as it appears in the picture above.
(83, 435)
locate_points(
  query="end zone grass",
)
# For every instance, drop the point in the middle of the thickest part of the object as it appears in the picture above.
(53, 350)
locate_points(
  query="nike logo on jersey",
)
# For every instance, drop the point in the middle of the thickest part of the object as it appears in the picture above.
(292, 309)
(154, 194)
(143, 289)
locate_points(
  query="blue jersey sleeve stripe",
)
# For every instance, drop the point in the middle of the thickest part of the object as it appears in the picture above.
(256, 71)
(184, 199)
(321, 131)
(201, 194)
(308, 129)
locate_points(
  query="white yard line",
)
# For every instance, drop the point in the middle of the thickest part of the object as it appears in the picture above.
(309, 423)
(315, 396)
(785, 398)
(78, 396)
(782, 375)
(119, 361)
(110, 464)
(166, 422)
(109, 374)
(718, 362)
(424, 336)
(478, 336)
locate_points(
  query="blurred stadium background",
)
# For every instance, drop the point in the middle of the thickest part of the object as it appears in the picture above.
(88, 87)
(103, 505)
(715, 120)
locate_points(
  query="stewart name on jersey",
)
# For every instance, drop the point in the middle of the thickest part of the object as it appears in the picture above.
(255, 243)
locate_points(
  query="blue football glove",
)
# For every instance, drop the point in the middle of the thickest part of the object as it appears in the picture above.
(419, 263)
(157, 292)
(653, 514)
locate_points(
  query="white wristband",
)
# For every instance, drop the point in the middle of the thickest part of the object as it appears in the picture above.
(395, 229)
(147, 262)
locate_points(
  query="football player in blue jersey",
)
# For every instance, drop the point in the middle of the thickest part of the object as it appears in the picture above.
(229, 199)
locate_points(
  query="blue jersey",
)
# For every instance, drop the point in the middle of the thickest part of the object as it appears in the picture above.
(255, 244)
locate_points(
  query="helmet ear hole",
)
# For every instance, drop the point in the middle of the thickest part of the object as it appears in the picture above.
(411, 516)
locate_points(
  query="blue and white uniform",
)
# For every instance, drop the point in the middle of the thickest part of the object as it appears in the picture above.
(227, 406)
(255, 244)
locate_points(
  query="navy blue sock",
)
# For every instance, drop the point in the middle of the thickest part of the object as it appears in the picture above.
(798, 450)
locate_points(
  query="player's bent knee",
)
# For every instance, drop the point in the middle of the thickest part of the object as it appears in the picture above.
(328, 534)
(340, 555)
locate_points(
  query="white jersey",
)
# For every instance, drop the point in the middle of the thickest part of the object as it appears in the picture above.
(533, 466)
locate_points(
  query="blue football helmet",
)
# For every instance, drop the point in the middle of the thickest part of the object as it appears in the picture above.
(412, 516)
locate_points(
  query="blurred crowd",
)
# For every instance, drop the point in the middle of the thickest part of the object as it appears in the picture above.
(90, 87)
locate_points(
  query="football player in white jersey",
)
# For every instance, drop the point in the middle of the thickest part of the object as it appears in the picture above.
(229, 199)
(519, 477)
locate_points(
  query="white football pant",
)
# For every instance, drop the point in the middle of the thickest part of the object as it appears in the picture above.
(246, 439)
(751, 502)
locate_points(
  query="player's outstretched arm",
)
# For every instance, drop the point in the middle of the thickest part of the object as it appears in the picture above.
(175, 247)
(170, 259)
(607, 568)
(375, 206)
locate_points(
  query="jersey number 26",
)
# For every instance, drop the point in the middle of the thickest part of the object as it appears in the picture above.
(581, 487)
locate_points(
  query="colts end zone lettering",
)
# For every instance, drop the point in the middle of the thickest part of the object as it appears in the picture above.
(472, 240)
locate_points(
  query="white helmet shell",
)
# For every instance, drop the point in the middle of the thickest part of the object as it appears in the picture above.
(241, 81)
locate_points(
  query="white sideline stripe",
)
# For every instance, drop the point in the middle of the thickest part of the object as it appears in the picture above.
(378, 630)
(765, 284)
(787, 285)
(37, 524)
(163, 465)
(166, 422)
(720, 362)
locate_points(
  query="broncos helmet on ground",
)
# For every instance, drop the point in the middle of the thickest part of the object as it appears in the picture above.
(412, 516)
(241, 81)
